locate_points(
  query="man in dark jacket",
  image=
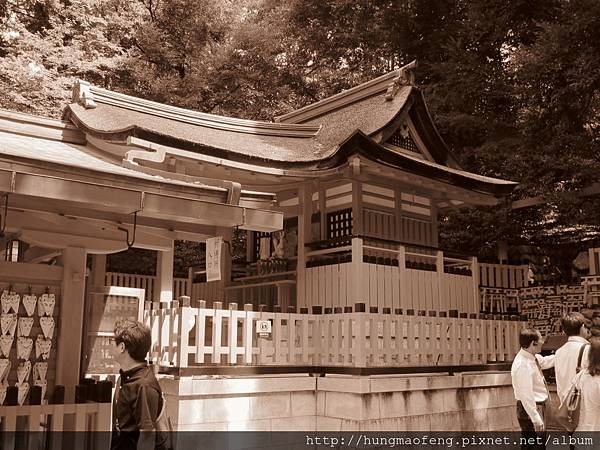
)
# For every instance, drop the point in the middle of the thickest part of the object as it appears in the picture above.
(138, 397)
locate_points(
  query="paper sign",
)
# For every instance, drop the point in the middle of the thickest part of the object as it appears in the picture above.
(265, 248)
(263, 328)
(213, 258)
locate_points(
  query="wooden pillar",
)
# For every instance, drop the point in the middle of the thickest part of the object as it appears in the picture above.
(475, 307)
(98, 275)
(323, 213)
(227, 234)
(357, 225)
(398, 214)
(304, 236)
(439, 268)
(357, 273)
(405, 301)
(434, 225)
(357, 268)
(68, 362)
(164, 275)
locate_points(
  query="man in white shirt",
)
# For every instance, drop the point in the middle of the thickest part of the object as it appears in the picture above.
(575, 327)
(528, 381)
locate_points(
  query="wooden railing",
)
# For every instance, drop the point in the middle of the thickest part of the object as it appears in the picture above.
(146, 282)
(503, 275)
(185, 336)
(391, 275)
(43, 426)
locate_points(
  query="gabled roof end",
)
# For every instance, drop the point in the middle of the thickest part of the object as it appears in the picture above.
(390, 83)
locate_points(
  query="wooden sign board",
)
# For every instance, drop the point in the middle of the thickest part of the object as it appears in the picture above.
(106, 306)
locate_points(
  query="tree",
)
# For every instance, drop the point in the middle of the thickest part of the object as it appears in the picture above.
(46, 45)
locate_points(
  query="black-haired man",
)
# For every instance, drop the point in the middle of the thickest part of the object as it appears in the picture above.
(138, 397)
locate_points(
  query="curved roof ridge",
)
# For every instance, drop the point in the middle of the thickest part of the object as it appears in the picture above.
(88, 95)
(389, 82)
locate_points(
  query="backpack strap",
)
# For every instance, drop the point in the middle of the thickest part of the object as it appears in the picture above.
(580, 357)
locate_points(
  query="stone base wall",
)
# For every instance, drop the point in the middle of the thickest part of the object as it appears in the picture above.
(460, 402)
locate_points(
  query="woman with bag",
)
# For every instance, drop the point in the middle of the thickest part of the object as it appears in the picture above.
(588, 382)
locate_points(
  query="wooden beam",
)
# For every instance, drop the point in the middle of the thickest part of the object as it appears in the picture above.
(36, 254)
(63, 241)
(27, 271)
(35, 223)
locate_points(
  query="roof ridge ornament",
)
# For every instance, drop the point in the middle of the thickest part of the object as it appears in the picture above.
(406, 77)
(83, 95)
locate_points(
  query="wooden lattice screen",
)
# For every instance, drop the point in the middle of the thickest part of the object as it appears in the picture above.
(403, 142)
(339, 223)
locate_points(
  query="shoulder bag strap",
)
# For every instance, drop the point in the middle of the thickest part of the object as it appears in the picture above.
(580, 357)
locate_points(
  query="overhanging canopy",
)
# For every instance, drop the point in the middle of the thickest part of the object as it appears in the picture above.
(67, 179)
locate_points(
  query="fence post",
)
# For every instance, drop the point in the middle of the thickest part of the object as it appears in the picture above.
(183, 337)
(248, 333)
(360, 340)
(232, 333)
(217, 332)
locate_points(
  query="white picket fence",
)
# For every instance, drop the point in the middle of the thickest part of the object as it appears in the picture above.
(44, 426)
(146, 282)
(184, 336)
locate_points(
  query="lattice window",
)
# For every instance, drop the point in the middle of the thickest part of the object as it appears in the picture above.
(339, 223)
(402, 138)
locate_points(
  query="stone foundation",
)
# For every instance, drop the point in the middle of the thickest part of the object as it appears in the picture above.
(459, 402)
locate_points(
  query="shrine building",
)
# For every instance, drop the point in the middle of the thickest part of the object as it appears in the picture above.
(339, 202)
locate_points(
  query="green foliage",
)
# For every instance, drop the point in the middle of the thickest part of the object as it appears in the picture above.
(513, 86)
(135, 260)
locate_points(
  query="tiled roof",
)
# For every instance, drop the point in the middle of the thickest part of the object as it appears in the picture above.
(79, 157)
(313, 137)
